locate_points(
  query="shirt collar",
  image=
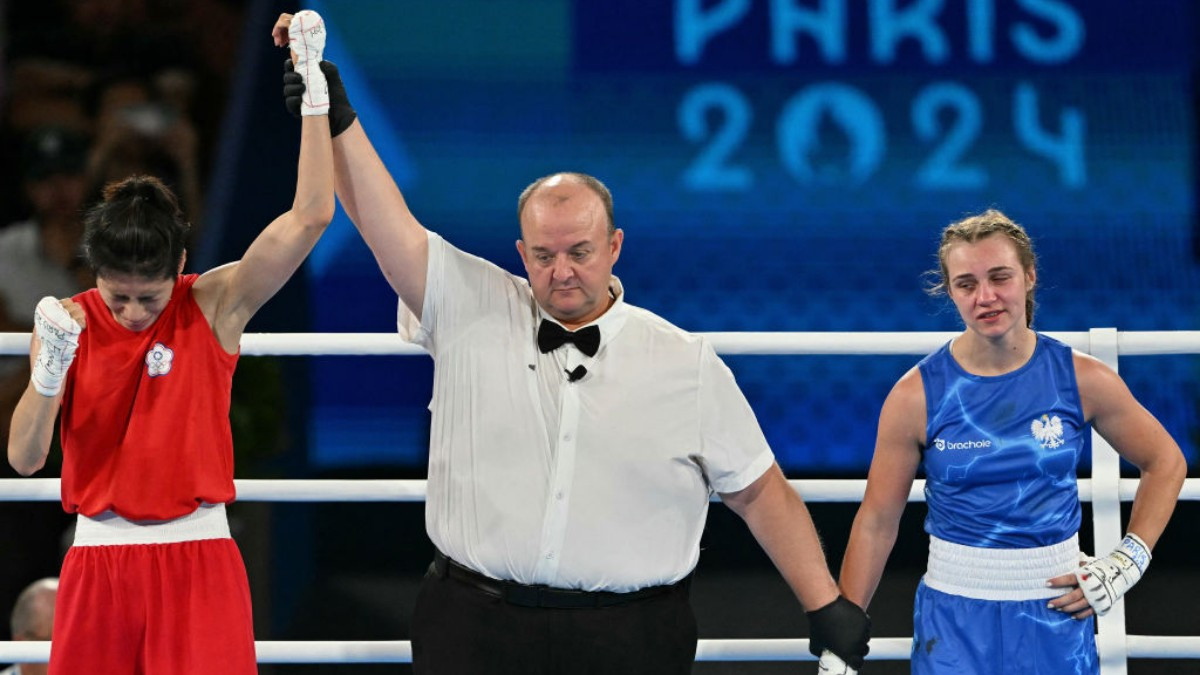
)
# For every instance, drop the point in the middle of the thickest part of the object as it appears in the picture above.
(610, 322)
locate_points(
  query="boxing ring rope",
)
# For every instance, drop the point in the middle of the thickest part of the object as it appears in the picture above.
(1106, 489)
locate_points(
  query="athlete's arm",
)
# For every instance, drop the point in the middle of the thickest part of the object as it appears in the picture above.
(32, 426)
(898, 442)
(370, 195)
(1139, 438)
(230, 295)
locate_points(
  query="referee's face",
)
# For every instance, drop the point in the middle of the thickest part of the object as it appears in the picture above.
(568, 251)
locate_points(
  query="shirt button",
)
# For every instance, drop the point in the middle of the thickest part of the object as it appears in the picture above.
(550, 555)
(567, 438)
(558, 495)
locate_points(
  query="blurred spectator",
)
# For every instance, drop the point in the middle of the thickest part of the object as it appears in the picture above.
(32, 619)
(142, 127)
(40, 256)
(184, 51)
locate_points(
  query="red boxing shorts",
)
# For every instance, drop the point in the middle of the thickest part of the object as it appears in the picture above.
(177, 608)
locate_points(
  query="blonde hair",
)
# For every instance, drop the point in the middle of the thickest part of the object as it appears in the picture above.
(978, 227)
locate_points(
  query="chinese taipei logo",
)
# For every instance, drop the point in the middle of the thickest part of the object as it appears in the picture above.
(1048, 431)
(158, 359)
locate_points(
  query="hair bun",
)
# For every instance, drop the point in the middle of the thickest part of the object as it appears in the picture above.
(147, 188)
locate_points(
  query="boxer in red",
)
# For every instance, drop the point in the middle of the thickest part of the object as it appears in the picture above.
(141, 368)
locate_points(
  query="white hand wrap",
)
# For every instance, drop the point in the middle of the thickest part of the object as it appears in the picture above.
(58, 338)
(306, 37)
(1105, 580)
(831, 664)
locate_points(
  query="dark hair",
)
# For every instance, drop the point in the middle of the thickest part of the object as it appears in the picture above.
(591, 182)
(980, 226)
(137, 229)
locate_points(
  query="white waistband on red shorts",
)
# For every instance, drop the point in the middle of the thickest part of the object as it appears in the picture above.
(109, 529)
(999, 573)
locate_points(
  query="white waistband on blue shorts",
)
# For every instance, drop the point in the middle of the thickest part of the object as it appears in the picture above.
(999, 573)
(109, 529)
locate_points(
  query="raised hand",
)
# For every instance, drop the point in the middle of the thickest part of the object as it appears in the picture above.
(306, 38)
(57, 331)
(341, 114)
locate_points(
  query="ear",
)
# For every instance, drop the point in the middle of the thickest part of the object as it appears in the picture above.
(614, 244)
(182, 262)
(521, 251)
(1031, 278)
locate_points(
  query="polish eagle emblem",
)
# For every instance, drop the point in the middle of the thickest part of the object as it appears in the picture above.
(1048, 431)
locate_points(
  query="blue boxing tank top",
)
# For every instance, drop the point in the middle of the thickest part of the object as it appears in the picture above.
(1001, 451)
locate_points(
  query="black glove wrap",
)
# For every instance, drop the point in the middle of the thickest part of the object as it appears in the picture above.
(843, 628)
(341, 115)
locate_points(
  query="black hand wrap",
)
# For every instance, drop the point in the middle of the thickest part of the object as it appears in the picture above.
(843, 628)
(341, 115)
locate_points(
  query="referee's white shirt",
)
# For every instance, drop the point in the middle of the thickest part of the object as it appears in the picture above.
(598, 484)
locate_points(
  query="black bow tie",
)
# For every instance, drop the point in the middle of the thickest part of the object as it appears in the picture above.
(551, 336)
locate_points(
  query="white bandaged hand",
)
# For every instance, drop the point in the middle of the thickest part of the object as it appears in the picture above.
(1104, 580)
(306, 37)
(58, 338)
(832, 664)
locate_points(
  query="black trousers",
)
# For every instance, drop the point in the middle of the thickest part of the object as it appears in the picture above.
(460, 630)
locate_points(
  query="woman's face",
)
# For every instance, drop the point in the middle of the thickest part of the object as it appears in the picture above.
(988, 285)
(135, 301)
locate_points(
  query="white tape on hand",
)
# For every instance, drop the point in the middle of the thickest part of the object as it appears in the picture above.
(306, 37)
(831, 664)
(58, 338)
(1105, 580)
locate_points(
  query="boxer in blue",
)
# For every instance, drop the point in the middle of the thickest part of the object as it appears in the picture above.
(998, 418)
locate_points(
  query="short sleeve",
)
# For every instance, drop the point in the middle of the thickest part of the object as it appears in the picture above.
(734, 453)
(460, 289)
(419, 330)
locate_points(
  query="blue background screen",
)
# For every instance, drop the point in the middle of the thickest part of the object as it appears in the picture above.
(778, 166)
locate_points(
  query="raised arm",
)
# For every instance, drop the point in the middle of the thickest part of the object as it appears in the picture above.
(230, 295)
(897, 455)
(373, 201)
(369, 194)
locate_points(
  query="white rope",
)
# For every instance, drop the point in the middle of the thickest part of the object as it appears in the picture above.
(832, 343)
(813, 490)
(882, 649)
(1162, 647)
(400, 651)
(1130, 343)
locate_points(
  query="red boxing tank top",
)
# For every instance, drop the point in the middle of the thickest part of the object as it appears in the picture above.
(145, 416)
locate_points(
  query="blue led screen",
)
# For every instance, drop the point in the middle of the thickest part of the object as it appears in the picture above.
(779, 165)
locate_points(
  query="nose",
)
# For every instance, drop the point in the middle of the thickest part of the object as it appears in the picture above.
(562, 269)
(135, 313)
(986, 292)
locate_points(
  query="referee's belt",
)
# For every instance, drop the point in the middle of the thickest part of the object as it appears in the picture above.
(544, 596)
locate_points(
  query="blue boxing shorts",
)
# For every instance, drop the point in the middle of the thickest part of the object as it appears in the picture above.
(1001, 632)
